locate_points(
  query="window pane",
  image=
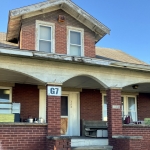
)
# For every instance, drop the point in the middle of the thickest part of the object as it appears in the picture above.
(105, 115)
(105, 109)
(75, 50)
(5, 111)
(45, 33)
(64, 106)
(75, 37)
(122, 103)
(131, 103)
(132, 108)
(45, 46)
(4, 95)
(105, 103)
(132, 115)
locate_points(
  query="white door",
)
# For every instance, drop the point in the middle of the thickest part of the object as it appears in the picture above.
(70, 114)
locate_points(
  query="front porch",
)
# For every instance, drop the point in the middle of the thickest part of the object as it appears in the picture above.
(85, 101)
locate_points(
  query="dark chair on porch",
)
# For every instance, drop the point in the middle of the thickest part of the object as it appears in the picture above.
(94, 128)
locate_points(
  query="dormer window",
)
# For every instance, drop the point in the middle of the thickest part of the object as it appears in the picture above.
(45, 36)
(45, 39)
(75, 41)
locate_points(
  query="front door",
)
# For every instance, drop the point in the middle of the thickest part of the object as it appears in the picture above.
(70, 114)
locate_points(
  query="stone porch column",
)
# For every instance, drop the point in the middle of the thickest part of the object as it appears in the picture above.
(114, 111)
(53, 112)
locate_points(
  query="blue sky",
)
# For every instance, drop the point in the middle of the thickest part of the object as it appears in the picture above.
(129, 21)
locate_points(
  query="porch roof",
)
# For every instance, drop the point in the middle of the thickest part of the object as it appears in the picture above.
(72, 59)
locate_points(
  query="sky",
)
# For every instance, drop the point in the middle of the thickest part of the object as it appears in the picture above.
(128, 20)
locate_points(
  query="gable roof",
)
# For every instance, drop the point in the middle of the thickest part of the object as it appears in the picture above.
(4, 43)
(117, 55)
(16, 16)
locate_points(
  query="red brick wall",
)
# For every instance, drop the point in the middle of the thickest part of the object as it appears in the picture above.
(127, 144)
(13, 137)
(143, 106)
(139, 131)
(53, 108)
(28, 33)
(28, 96)
(90, 104)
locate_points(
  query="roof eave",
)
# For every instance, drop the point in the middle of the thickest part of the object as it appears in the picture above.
(15, 17)
(72, 59)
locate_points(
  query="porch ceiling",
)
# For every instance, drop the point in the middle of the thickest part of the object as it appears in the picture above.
(83, 82)
(142, 88)
(15, 77)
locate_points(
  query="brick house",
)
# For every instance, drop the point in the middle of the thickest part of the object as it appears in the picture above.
(50, 65)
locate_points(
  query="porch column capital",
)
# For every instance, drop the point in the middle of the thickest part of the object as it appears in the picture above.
(53, 84)
(114, 88)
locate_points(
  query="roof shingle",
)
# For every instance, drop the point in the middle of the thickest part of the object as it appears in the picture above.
(117, 55)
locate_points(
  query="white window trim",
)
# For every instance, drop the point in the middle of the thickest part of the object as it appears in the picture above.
(10, 88)
(37, 34)
(69, 28)
(126, 99)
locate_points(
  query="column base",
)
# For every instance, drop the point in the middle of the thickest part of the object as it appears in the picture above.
(58, 143)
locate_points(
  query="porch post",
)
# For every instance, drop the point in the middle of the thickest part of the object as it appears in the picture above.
(53, 112)
(114, 113)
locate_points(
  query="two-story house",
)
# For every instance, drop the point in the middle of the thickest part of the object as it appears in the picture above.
(50, 66)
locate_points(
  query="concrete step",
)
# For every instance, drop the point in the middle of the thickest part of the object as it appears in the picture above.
(79, 142)
(93, 148)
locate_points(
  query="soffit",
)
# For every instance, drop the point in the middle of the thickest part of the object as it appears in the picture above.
(16, 16)
(4, 43)
(82, 82)
(142, 88)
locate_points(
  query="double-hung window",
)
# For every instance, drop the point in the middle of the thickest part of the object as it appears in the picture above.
(75, 41)
(129, 107)
(5, 97)
(45, 36)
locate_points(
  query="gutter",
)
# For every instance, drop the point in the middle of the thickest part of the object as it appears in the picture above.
(72, 59)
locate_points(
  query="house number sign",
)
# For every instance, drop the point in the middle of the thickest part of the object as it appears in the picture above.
(116, 106)
(54, 91)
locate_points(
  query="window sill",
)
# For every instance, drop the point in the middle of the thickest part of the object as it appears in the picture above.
(135, 125)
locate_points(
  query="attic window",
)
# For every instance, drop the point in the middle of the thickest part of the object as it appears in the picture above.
(75, 41)
(45, 36)
(45, 39)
